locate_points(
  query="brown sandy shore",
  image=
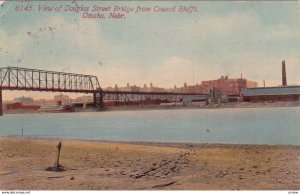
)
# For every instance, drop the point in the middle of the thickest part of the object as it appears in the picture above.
(98, 165)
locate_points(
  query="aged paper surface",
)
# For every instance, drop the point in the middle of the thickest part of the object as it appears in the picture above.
(149, 95)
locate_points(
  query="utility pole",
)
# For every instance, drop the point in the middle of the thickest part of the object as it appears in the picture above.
(1, 108)
(284, 82)
(193, 78)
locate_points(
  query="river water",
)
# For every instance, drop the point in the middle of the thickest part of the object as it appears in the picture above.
(276, 125)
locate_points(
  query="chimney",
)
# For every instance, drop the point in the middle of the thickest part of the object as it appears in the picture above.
(283, 74)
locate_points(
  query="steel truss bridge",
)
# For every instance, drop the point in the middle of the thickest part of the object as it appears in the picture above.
(17, 78)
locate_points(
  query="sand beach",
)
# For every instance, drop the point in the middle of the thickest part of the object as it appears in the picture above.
(102, 165)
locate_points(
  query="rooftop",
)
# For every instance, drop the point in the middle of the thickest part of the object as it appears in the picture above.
(282, 90)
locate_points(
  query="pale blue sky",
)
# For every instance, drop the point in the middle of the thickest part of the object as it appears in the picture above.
(223, 38)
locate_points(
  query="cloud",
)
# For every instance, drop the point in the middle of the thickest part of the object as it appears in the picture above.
(210, 26)
(167, 72)
(11, 44)
(170, 71)
(257, 66)
(84, 34)
(241, 43)
(177, 70)
(208, 45)
(56, 42)
(238, 33)
(173, 70)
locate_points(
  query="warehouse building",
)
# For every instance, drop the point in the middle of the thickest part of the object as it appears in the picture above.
(271, 94)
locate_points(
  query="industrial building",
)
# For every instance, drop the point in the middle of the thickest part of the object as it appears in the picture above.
(227, 86)
(271, 94)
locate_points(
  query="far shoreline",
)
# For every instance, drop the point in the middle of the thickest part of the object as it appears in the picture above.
(177, 107)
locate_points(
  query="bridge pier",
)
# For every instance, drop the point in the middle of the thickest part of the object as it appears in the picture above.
(98, 99)
(95, 99)
(1, 103)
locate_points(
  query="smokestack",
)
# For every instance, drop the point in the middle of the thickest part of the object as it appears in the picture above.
(283, 74)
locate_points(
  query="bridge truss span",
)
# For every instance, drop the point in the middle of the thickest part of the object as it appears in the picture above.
(15, 78)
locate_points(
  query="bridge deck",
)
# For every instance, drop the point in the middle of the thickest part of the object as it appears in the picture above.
(15, 78)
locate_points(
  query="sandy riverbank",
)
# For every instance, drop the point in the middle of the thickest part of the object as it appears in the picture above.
(98, 165)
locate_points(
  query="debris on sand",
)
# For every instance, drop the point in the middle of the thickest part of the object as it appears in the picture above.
(164, 185)
(59, 168)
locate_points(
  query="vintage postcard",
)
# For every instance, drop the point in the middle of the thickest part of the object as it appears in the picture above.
(149, 95)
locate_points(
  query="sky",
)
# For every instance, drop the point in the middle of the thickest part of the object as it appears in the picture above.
(222, 38)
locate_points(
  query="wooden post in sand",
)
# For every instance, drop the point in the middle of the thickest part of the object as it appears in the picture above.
(56, 165)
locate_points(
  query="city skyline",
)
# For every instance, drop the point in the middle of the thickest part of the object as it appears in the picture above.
(18, 94)
(223, 38)
(222, 83)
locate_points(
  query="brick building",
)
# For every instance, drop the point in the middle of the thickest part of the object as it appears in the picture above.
(226, 85)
